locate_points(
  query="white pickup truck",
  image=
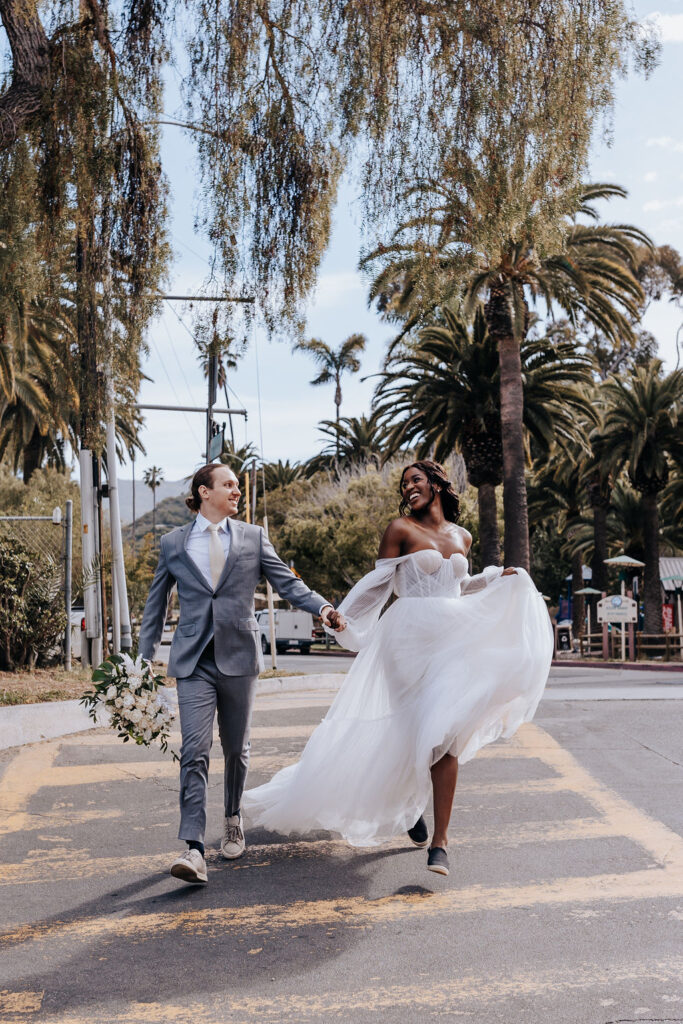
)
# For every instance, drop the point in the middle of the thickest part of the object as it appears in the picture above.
(292, 629)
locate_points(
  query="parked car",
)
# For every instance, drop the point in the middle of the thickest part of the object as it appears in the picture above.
(293, 629)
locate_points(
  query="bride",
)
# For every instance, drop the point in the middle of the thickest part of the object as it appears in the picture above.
(456, 662)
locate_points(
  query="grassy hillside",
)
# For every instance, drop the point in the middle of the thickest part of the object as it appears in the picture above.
(171, 512)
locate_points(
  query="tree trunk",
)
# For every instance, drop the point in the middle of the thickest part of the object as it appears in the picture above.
(652, 588)
(578, 600)
(599, 496)
(32, 456)
(23, 101)
(516, 542)
(489, 540)
(154, 515)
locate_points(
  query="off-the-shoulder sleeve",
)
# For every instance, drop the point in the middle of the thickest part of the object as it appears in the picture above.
(471, 584)
(362, 605)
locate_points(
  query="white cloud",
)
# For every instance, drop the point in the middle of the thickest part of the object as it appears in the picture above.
(338, 289)
(650, 176)
(666, 142)
(653, 205)
(669, 26)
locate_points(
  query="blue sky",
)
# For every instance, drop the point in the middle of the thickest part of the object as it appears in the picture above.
(645, 156)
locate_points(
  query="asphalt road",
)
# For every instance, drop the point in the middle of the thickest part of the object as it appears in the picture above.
(564, 903)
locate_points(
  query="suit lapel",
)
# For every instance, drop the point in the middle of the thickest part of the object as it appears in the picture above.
(183, 537)
(236, 537)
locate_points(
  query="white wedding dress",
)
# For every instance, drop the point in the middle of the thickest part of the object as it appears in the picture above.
(456, 662)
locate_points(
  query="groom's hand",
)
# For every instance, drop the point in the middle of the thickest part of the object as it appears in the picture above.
(509, 572)
(332, 618)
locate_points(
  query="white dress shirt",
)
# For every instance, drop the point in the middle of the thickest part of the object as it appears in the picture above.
(198, 544)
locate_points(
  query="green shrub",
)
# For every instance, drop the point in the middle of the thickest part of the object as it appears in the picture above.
(32, 615)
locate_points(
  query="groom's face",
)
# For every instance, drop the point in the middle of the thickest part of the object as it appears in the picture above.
(222, 498)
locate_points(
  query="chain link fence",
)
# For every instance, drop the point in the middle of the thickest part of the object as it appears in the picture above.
(49, 538)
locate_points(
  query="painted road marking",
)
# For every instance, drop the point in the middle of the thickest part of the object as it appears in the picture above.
(46, 865)
(33, 769)
(458, 995)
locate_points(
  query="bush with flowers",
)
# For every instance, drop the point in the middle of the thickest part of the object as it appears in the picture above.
(132, 694)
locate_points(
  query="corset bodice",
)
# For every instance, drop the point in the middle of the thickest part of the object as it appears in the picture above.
(429, 574)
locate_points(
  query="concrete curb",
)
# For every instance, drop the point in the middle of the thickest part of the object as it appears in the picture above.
(629, 666)
(31, 723)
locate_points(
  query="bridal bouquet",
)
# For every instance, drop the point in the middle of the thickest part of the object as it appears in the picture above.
(131, 692)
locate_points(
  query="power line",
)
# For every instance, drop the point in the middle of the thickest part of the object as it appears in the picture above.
(175, 393)
(184, 325)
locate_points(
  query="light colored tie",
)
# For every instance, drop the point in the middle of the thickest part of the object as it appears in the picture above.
(216, 554)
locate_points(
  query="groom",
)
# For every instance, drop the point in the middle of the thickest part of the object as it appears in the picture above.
(216, 655)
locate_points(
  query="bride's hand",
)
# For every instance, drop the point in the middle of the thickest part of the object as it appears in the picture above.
(509, 572)
(334, 619)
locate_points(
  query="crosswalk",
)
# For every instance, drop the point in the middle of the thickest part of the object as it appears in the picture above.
(86, 835)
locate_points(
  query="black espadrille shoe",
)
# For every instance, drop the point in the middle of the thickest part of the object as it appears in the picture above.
(419, 834)
(437, 860)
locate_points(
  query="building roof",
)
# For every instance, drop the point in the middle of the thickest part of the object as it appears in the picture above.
(669, 567)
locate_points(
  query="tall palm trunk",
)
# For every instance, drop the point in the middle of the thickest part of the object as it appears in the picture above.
(652, 588)
(578, 600)
(337, 405)
(32, 455)
(489, 540)
(154, 514)
(499, 319)
(599, 496)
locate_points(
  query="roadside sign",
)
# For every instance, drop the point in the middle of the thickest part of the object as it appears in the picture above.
(667, 618)
(617, 608)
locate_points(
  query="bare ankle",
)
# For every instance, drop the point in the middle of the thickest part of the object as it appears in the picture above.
(441, 841)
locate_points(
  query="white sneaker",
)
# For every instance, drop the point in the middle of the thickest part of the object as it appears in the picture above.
(190, 867)
(233, 845)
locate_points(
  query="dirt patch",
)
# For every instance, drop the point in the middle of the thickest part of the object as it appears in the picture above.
(35, 686)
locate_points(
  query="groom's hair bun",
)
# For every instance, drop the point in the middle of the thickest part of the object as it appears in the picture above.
(202, 478)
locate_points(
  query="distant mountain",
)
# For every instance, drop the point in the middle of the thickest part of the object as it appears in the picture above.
(171, 512)
(143, 496)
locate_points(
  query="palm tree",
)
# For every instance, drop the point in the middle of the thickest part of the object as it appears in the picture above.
(443, 393)
(558, 494)
(642, 432)
(281, 474)
(591, 276)
(38, 399)
(334, 363)
(153, 477)
(354, 441)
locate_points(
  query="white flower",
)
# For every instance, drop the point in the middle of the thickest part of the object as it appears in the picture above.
(111, 693)
(135, 715)
(128, 700)
(147, 734)
(135, 681)
(119, 702)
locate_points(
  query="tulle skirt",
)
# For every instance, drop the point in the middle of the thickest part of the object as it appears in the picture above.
(440, 675)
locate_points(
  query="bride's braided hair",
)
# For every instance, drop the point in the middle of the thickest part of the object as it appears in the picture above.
(436, 475)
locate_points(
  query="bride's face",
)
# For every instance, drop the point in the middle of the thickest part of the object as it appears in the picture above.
(416, 489)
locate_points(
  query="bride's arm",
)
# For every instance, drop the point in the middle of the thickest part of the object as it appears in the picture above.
(472, 584)
(362, 605)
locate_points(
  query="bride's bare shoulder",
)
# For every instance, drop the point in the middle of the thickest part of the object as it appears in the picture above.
(394, 535)
(466, 537)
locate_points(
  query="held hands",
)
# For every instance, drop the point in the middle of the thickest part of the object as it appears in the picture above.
(509, 572)
(332, 618)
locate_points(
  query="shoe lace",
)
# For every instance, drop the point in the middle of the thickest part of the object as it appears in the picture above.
(233, 833)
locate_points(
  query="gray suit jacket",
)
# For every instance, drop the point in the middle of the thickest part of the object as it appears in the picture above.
(226, 614)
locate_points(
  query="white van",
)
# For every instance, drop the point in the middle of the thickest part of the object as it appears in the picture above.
(292, 629)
